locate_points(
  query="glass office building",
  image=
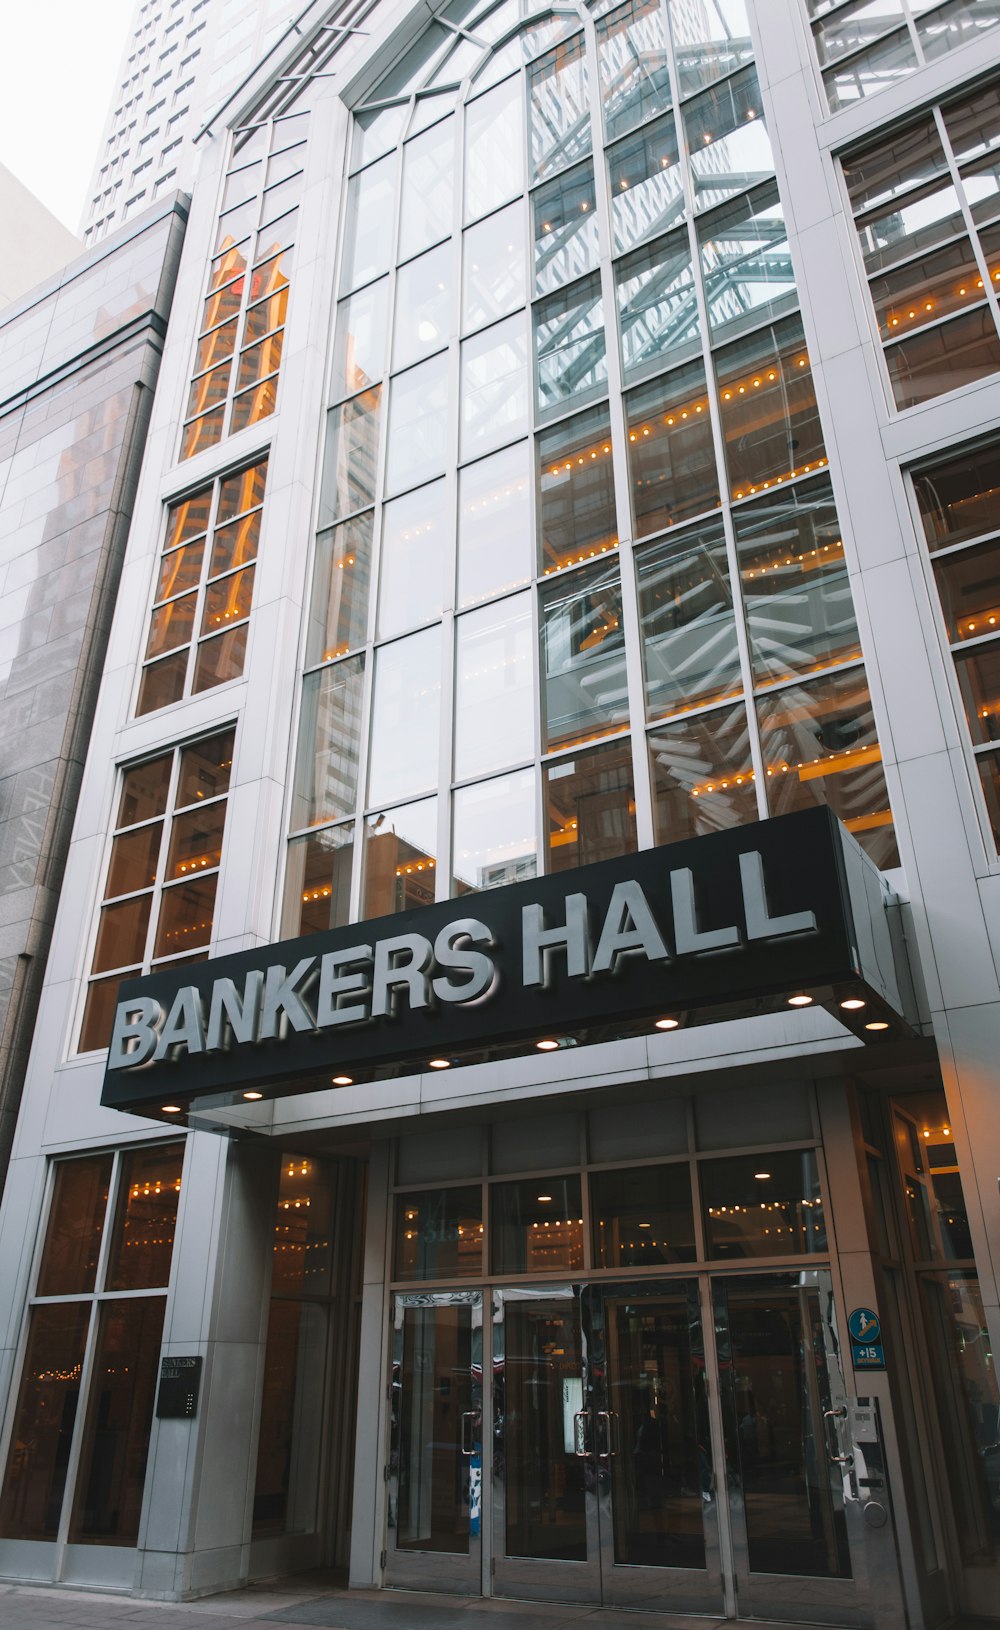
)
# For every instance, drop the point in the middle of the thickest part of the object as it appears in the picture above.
(513, 1110)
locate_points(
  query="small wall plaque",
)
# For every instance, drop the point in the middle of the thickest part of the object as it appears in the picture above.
(180, 1381)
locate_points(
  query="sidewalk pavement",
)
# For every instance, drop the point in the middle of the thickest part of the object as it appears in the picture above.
(314, 1602)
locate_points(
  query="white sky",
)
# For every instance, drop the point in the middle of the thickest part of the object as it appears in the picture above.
(60, 62)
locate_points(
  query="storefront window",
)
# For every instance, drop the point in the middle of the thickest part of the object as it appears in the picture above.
(583, 650)
(703, 777)
(494, 832)
(439, 1234)
(400, 859)
(690, 655)
(762, 1205)
(318, 881)
(590, 806)
(494, 526)
(494, 696)
(642, 1216)
(536, 1226)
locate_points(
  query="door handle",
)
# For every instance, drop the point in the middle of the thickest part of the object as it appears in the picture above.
(609, 1425)
(832, 1442)
(469, 1420)
(581, 1422)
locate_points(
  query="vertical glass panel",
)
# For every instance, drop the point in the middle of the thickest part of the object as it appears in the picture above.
(494, 525)
(415, 530)
(220, 659)
(590, 807)
(418, 424)
(494, 695)
(969, 585)
(326, 759)
(710, 41)
(227, 600)
(746, 262)
(359, 344)
(494, 149)
(99, 1012)
(647, 191)
(109, 1484)
(690, 654)
(932, 1185)
(968, 1400)
(291, 1418)
(423, 306)
(947, 358)
(303, 1226)
(439, 1234)
(703, 779)
(988, 765)
(770, 420)
(558, 117)
(338, 602)
(76, 1223)
(241, 492)
(186, 914)
(437, 1411)
(632, 55)
(727, 143)
(886, 62)
(540, 1388)
(923, 290)
(585, 691)
(121, 934)
(196, 840)
(371, 198)
(494, 267)
(979, 682)
(762, 1205)
(400, 859)
(641, 1216)
(570, 345)
(957, 496)
(426, 206)
(205, 770)
(405, 718)
(973, 124)
(350, 461)
(134, 857)
(536, 1226)
(32, 1491)
(494, 386)
(657, 305)
(671, 455)
(145, 1217)
(577, 519)
(318, 882)
(493, 833)
(800, 611)
(179, 570)
(820, 747)
(144, 790)
(564, 228)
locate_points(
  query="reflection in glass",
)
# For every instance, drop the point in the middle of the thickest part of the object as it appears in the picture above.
(979, 682)
(205, 770)
(38, 1458)
(359, 344)
(326, 759)
(564, 229)
(291, 1418)
(671, 456)
(632, 55)
(711, 41)
(411, 566)
(820, 747)
(400, 859)
(76, 1223)
(338, 603)
(988, 765)
(538, 1378)
(647, 190)
(968, 1402)
(923, 290)
(703, 779)
(318, 882)
(439, 1234)
(186, 915)
(494, 263)
(134, 857)
(536, 1226)
(884, 63)
(494, 166)
(350, 461)
(112, 1472)
(494, 525)
(426, 190)
(957, 495)
(493, 833)
(727, 142)
(494, 386)
(931, 1181)
(770, 420)
(418, 424)
(144, 790)
(577, 519)
(436, 1420)
(570, 344)
(746, 262)
(196, 840)
(220, 659)
(590, 806)
(657, 304)
(368, 230)
(583, 646)
(690, 654)
(763, 1205)
(558, 115)
(641, 1216)
(494, 695)
(303, 1227)
(405, 718)
(947, 358)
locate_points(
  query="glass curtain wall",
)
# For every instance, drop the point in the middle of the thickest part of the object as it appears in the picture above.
(864, 46)
(579, 580)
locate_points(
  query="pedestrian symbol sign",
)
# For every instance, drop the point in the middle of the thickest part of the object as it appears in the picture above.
(865, 1330)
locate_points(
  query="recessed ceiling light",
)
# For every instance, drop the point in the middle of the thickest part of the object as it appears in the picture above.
(440, 1063)
(544, 1196)
(343, 1080)
(800, 1001)
(852, 1003)
(253, 1096)
(667, 1024)
(171, 1109)
(762, 1176)
(645, 1225)
(877, 1024)
(546, 1046)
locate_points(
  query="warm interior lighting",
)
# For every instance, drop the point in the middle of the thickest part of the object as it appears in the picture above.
(667, 1024)
(546, 1046)
(253, 1096)
(171, 1109)
(852, 1003)
(762, 1177)
(877, 1024)
(440, 1063)
(343, 1081)
(800, 1001)
(544, 1197)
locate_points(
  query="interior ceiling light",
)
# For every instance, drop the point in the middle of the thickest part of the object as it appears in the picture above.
(171, 1109)
(253, 1096)
(440, 1063)
(762, 1176)
(546, 1046)
(343, 1080)
(877, 1024)
(852, 1003)
(667, 1024)
(800, 1001)
(543, 1197)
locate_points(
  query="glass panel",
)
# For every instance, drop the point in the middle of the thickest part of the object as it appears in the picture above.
(988, 765)
(162, 683)
(303, 1227)
(657, 304)
(203, 432)
(238, 493)
(727, 143)
(536, 1226)
(269, 243)
(564, 228)
(710, 42)
(35, 1479)
(590, 807)
(133, 861)
(913, 225)
(690, 655)
(186, 913)
(291, 1418)
(426, 205)
(144, 790)
(931, 1182)
(259, 361)
(235, 544)
(180, 570)
(121, 934)
(585, 690)
(968, 1403)
(415, 531)
(400, 859)
(494, 164)
(205, 769)
(979, 682)
(227, 600)
(763, 1205)
(558, 117)
(632, 55)
(109, 1484)
(672, 470)
(494, 694)
(256, 404)
(371, 202)
(76, 1223)
(423, 306)
(266, 316)
(538, 1377)
(196, 840)
(494, 833)
(439, 1234)
(946, 358)
(495, 267)
(171, 625)
(703, 779)
(376, 132)
(99, 1012)
(215, 347)
(494, 386)
(326, 759)
(359, 344)
(272, 275)
(800, 611)
(209, 390)
(570, 353)
(894, 164)
(220, 659)
(494, 525)
(189, 519)
(405, 718)
(221, 306)
(647, 190)
(230, 264)
(820, 747)
(436, 1392)
(871, 71)
(577, 518)
(770, 420)
(973, 124)
(418, 425)
(318, 882)
(338, 603)
(746, 263)
(350, 462)
(957, 496)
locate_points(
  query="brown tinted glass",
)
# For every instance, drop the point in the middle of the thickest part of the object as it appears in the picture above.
(958, 496)
(762, 1205)
(133, 860)
(956, 354)
(439, 1234)
(399, 860)
(671, 456)
(196, 840)
(318, 881)
(979, 681)
(144, 790)
(220, 658)
(187, 520)
(642, 1215)
(31, 1497)
(576, 484)
(235, 544)
(121, 934)
(145, 1217)
(99, 1012)
(109, 1484)
(76, 1224)
(255, 404)
(590, 807)
(303, 1227)
(205, 769)
(969, 585)
(988, 765)
(770, 420)
(339, 603)
(203, 432)
(227, 601)
(162, 683)
(171, 625)
(536, 1226)
(291, 1408)
(180, 570)
(186, 912)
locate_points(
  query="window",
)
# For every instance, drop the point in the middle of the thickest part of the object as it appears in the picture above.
(864, 47)
(204, 588)
(159, 891)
